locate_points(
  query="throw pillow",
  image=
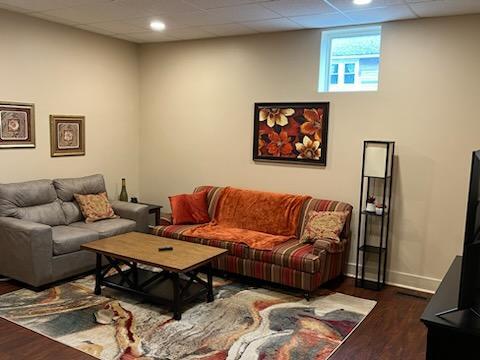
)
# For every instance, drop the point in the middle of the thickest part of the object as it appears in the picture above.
(189, 208)
(95, 207)
(324, 224)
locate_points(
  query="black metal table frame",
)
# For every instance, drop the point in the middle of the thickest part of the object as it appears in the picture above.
(130, 278)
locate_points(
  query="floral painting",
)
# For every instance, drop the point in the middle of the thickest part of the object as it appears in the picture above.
(67, 135)
(292, 132)
(17, 127)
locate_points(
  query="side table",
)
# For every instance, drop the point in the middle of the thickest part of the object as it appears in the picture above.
(154, 209)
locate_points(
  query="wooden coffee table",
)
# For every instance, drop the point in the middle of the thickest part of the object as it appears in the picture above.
(165, 287)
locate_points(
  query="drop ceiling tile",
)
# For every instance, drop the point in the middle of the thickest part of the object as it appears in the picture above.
(250, 12)
(298, 7)
(98, 12)
(161, 6)
(388, 13)
(52, 18)
(117, 27)
(212, 4)
(271, 25)
(446, 7)
(149, 36)
(144, 22)
(346, 5)
(322, 20)
(95, 29)
(43, 5)
(228, 29)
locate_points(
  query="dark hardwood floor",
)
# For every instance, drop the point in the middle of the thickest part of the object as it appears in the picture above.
(391, 331)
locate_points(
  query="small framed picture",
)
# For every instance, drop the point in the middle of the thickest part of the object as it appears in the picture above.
(291, 132)
(67, 135)
(17, 125)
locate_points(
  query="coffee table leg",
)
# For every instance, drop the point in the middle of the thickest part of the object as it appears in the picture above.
(98, 275)
(177, 315)
(210, 283)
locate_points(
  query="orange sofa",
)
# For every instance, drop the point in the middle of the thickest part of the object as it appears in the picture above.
(260, 230)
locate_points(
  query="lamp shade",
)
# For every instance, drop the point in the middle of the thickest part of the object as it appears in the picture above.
(376, 156)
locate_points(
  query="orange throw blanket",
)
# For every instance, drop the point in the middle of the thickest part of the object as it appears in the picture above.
(259, 219)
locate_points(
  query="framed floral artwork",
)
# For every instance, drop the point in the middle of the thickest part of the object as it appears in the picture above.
(67, 135)
(291, 132)
(17, 125)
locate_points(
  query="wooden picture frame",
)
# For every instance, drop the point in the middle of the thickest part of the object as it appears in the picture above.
(17, 125)
(67, 135)
(291, 132)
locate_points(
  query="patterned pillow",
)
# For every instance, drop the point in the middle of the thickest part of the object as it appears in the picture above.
(95, 207)
(324, 224)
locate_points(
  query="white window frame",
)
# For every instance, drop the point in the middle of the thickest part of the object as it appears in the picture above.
(325, 56)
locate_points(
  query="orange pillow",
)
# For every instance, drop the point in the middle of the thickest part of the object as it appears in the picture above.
(95, 207)
(189, 208)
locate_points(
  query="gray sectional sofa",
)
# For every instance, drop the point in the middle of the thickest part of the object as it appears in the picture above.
(42, 228)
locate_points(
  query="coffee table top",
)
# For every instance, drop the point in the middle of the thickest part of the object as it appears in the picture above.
(143, 248)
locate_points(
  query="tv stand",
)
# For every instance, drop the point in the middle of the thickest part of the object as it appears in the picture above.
(453, 333)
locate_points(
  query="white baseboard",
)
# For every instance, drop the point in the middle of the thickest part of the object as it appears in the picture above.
(403, 280)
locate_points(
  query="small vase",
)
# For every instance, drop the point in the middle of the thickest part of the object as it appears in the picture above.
(370, 207)
(123, 194)
(379, 211)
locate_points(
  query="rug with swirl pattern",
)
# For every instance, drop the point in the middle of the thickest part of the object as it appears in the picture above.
(244, 322)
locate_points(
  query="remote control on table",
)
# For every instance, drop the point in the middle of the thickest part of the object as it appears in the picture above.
(165, 248)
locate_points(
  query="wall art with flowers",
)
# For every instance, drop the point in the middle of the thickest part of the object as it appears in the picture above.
(17, 125)
(291, 132)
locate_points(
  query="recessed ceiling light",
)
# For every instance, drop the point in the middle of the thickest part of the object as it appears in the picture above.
(362, 2)
(157, 25)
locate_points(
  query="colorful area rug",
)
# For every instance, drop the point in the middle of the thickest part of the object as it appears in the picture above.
(243, 322)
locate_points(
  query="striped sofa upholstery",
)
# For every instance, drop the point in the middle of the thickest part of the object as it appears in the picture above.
(303, 266)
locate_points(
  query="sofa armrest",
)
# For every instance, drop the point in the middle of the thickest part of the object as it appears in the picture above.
(166, 219)
(132, 211)
(329, 245)
(26, 251)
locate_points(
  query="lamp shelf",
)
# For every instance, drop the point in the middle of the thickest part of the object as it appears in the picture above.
(372, 249)
(371, 213)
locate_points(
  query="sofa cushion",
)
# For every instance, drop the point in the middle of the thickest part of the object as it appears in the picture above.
(72, 211)
(290, 254)
(33, 201)
(92, 184)
(107, 228)
(67, 239)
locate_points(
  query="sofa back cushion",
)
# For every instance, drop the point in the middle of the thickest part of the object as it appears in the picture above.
(325, 205)
(214, 193)
(65, 188)
(33, 201)
(93, 184)
(267, 212)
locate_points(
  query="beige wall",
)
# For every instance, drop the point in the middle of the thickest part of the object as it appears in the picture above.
(196, 126)
(67, 71)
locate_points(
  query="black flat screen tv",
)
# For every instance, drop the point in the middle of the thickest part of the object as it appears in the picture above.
(469, 289)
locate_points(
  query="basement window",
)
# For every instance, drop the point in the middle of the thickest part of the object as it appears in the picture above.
(350, 59)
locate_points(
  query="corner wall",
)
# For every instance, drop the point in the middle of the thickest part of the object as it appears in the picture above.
(197, 124)
(68, 71)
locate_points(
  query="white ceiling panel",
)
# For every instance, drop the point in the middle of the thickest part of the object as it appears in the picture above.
(160, 6)
(272, 25)
(388, 13)
(100, 11)
(117, 27)
(43, 5)
(346, 5)
(446, 7)
(228, 29)
(322, 20)
(194, 19)
(212, 4)
(299, 7)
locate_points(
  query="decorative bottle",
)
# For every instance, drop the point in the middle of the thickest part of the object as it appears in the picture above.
(123, 193)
